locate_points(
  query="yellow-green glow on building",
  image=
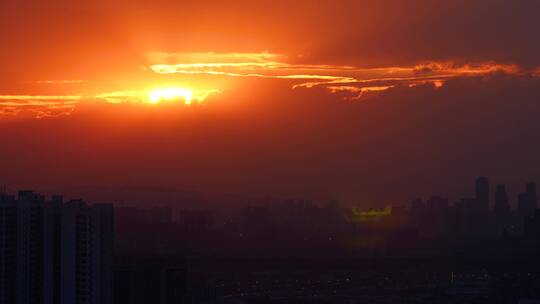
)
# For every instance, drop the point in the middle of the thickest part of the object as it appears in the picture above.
(372, 215)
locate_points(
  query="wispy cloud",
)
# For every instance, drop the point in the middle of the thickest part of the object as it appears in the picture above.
(120, 96)
(40, 97)
(357, 92)
(350, 82)
(352, 79)
(198, 95)
(467, 69)
(59, 81)
(41, 106)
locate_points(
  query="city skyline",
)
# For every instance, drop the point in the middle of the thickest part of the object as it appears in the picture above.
(53, 251)
(269, 152)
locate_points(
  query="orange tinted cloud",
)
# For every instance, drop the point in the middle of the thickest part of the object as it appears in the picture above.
(467, 69)
(348, 80)
(267, 65)
(38, 106)
(42, 106)
(59, 81)
(199, 95)
(357, 92)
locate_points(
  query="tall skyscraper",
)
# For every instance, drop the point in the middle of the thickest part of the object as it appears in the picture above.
(54, 253)
(8, 249)
(482, 195)
(501, 200)
(528, 201)
(532, 198)
(501, 210)
(24, 250)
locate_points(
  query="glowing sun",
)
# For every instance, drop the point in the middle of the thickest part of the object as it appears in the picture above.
(171, 94)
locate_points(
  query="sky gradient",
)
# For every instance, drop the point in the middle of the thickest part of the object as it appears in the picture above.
(367, 101)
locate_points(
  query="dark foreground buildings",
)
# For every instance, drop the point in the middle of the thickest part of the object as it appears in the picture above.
(54, 252)
(150, 279)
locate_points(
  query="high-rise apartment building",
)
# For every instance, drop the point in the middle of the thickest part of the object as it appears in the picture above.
(54, 253)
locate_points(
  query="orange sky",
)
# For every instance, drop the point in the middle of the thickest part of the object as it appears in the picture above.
(261, 65)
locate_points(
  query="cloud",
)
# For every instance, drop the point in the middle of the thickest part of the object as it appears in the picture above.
(348, 82)
(38, 106)
(353, 79)
(59, 81)
(43, 106)
(467, 69)
(121, 96)
(357, 92)
(40, 97)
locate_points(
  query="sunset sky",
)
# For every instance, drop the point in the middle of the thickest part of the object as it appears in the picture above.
(366, 101)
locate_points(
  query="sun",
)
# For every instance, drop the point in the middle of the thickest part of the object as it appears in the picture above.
(170, 94)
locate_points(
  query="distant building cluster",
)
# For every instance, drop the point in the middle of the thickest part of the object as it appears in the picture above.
(53, 251)
(478, 216)
(275, 226)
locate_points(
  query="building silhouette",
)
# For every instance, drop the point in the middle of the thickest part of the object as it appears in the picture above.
(482, 195)
(501, 200)
(51, 252)
(150, 279)
(531, 229)
(528, 204)
(475, 217)
(502, 212)
(196, 221)
(531, 193)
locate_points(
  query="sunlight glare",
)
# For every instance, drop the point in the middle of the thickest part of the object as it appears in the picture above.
(169, 94)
